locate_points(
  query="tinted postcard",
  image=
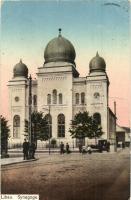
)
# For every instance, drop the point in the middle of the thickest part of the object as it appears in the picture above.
(65, 100)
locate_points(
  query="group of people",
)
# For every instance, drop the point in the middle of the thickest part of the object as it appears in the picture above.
(66, 149)
(28, 150)
(84, 149)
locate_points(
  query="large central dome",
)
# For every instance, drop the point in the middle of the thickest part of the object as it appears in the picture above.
(59, 49)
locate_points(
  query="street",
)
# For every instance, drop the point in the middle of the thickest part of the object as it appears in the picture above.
(99, 176)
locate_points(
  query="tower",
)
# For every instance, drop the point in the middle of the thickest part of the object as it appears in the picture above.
(97, 92)
(18, 101)
(55, 84)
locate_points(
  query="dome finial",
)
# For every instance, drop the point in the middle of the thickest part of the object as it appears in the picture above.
(97, 54)
(60, 31)
(21, 60)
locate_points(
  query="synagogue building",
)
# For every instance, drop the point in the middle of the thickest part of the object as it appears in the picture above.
(60, 92)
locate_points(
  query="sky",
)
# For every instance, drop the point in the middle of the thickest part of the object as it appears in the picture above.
(91, 26)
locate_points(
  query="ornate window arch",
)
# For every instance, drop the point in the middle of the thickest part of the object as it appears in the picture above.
(54, 96)
(82, 98)
(60, 98)
(61, 125)
(77, 98)
(16, 126)
(48, 119)
(97, 118)
(48, 98)
(35, 100)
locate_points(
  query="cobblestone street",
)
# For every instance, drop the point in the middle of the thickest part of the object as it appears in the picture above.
(99, 176)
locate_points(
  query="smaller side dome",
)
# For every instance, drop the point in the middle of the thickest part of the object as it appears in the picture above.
(20, 69)
(97, 64)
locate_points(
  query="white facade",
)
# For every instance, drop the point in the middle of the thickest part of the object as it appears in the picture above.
(72, 94)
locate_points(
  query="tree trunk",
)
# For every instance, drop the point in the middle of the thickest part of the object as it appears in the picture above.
(95, 140)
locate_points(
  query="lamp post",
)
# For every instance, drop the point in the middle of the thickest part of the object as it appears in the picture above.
(48, 109)
(115, 140)
(30, 108)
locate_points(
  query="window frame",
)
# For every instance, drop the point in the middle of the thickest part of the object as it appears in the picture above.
(61, 125)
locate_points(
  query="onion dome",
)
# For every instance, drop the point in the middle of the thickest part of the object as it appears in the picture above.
(59, 49)
(20, 69)
(97, 64)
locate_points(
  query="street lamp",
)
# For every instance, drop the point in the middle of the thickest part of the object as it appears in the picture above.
(48, 109)
(30, 108)
(115, 140)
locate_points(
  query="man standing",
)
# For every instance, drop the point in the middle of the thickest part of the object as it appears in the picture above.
(32, 149)
(67, 148)
(25, 149)
(61, 148)
(80, 147)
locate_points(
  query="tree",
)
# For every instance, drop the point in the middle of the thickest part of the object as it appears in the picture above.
(4, 128)
(84, 125)
(39, 126)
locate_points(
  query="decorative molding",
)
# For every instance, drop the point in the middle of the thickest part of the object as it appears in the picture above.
(96, 103)
(52, 78)
(96, 86)
(16, 110)
(17, 89)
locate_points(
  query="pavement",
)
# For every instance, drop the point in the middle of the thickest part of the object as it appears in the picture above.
(16, 155)
(99, 176)
(42, 150)
(10, 161)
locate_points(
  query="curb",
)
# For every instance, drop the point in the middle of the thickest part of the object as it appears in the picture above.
(19, 162)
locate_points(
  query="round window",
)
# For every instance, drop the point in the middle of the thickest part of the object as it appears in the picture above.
(16, 98)
(96, 95)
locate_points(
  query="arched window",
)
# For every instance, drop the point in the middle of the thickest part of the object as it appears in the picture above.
(54, 96)
(82, 98)
(97, 118)
(16, 126)
(35, 100)
(60, 98)
(61, 125)
(48, 119)
(49, 99)
(77, 98)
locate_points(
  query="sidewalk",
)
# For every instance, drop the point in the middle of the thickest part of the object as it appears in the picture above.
(40, 150)
(19, 156)
(10, 161)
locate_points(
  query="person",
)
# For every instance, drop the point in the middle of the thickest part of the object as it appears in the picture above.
(67, 148)
(61, 148)
(123, 145)
(32, 149)
(84, 149)
(25, 149)
(89, 150)
(80, 147)
(108, 146)
(100, 147)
